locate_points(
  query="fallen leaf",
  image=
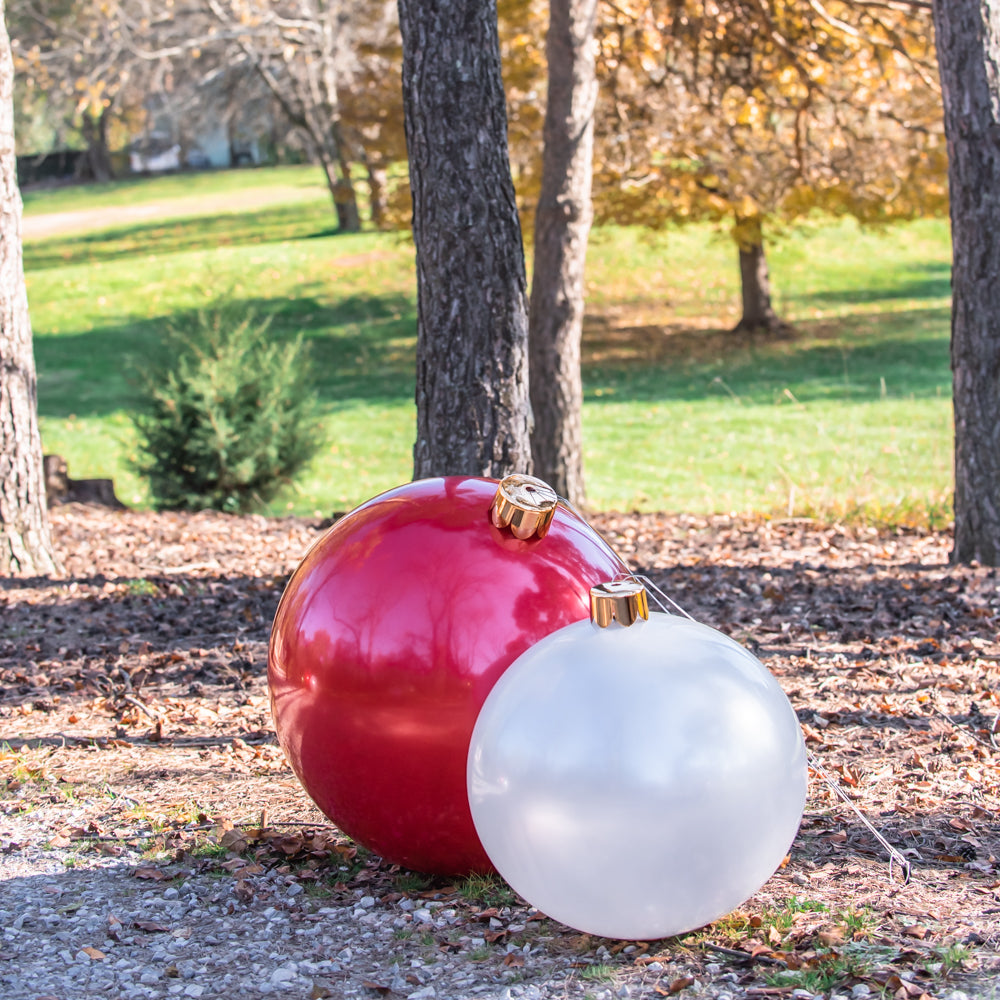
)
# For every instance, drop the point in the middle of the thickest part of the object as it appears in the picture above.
(830, 938)
(903, 988)
(156, 874)
(233, 840)
(150, 926)
(677, 985)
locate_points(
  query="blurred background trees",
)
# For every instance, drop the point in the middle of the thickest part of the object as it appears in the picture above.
(748, 113)
(752, 115)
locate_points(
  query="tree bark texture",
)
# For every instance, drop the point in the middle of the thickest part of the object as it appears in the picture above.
(755, 282)
(968, 47)
(562, 227)
(25, 542)
(473, 413)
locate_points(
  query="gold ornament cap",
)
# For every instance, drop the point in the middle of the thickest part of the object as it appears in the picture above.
(624, 602)
(525, 505)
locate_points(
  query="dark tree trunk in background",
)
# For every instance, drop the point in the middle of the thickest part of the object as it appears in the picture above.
(341, 189)
(95, 164)
(562, 226)
(25, 543)
(968, 47)
(377, 198)
(755, 281)
(473, 415)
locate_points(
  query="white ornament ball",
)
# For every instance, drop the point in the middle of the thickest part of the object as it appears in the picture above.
(637, 782)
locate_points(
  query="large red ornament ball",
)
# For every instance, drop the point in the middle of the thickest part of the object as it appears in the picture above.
(387, 640)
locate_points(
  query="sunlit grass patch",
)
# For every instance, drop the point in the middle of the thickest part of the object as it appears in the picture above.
(848, 417)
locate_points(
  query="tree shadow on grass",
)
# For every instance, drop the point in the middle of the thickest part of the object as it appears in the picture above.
(858, 356)
(361, 349)
(931, 280)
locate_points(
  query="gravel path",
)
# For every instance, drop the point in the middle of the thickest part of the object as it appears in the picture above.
(82, 927)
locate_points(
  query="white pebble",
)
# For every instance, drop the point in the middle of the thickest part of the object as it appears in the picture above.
(283, 974)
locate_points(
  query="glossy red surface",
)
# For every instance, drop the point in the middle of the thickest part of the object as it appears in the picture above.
(386, 642)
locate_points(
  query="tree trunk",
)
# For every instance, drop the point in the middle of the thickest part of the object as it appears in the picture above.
(345, 199)
(968, 47)
(755, 280)
(25, 542)
(377, 203)
(342, 192)
(473, 413)
(562, 226)
(95, 164)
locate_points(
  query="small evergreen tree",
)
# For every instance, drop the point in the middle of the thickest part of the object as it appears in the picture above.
(228, 416)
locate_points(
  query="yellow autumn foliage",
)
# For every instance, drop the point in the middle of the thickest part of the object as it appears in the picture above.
(763, 111)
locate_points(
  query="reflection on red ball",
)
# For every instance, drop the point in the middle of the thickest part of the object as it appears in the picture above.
(386, 642)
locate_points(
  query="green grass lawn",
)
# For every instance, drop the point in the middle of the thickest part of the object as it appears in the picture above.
(849, 417)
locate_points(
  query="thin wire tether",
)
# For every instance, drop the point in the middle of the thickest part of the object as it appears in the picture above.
(662, 600)
(659, 596)
(894, 854)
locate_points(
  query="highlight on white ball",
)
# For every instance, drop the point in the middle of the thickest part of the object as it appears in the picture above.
(637, 782)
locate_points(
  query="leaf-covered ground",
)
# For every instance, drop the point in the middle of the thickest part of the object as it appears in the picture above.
(133, 699)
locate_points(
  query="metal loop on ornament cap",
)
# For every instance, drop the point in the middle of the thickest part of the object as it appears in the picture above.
(624, 601)
(524, 505)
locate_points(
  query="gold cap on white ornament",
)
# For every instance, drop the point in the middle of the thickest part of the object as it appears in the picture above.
(524, 505)
(624, 602)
